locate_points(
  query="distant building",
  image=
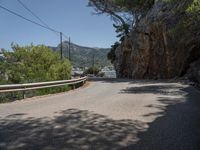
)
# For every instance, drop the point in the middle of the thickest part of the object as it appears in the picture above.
(108, 72)
(76, 72)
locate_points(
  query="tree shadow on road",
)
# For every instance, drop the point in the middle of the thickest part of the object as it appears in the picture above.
(161, 89)
(176, 127)
(177, 124)
(131, 81)
(70, 129)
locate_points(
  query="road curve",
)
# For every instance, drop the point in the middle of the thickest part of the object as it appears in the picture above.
(106, 115)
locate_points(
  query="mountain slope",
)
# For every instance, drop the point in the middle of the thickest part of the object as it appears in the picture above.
(83, 56)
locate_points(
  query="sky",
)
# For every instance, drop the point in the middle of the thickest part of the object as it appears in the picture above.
(72, 17)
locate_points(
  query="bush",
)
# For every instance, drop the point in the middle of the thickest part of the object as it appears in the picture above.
(33, 64)
(93, 70)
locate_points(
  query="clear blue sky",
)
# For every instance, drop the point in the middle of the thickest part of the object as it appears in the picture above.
(72, 17)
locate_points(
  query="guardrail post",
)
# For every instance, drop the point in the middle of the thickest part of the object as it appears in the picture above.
(73, 86)
(23, 94)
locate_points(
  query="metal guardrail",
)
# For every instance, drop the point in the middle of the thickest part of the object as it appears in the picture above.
(39, 85)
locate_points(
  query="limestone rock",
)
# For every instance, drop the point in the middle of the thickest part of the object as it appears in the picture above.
(162, 45)
(193, 73)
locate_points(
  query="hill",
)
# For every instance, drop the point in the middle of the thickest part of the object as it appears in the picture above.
(83, 56)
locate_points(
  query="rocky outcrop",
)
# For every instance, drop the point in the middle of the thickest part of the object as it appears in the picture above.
(193, 73)
(163, 44)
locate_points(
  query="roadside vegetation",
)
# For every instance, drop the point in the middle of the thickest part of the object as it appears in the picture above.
(93, 70)
(31, 64)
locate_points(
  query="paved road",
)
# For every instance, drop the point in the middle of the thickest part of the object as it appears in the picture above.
(106, 115)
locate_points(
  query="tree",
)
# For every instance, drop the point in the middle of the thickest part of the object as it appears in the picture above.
(123, 12)
(111, 55)
(92, 70)
(109, 7)
(35, 64)
(32, 64)
(2, 71)
(122, 21)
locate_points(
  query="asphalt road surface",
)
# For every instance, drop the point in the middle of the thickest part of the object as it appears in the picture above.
(106, 115)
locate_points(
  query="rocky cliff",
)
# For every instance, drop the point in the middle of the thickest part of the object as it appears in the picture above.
(163, 44)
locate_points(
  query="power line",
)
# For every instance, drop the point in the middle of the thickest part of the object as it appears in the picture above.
(16, 14)
(61, 34)
(66, 36)
(43, 26)
(33, 13)
(36, 16)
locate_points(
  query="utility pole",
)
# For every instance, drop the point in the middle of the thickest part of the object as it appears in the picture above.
(61, 50)
(69, 49)
(93, 60)
(93, 63)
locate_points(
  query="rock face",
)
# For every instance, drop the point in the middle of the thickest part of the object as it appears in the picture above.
(193, 73)
(163, 44)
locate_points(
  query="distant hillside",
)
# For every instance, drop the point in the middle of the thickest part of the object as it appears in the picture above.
(83, 56)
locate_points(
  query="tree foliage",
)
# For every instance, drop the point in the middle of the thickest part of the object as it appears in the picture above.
(35, 64)
(193, 13)
(32, 64)
(125, 13)
(189, 21)
(92, 70)
(122, 19)
(111, 55)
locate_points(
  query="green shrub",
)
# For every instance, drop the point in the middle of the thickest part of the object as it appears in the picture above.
(92, 70)
(32, 64)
